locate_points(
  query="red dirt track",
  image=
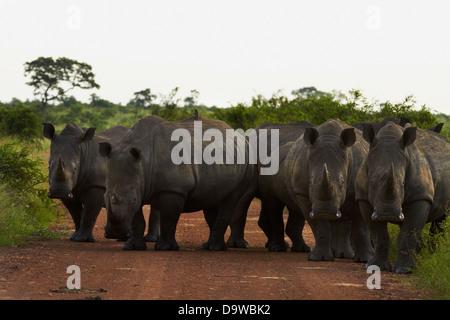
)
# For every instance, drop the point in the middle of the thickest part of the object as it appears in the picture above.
(37, 270)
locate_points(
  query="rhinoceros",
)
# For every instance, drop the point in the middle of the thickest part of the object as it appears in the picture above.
(319, 172)
(272, 193)
(143, 171)
(404, 180)
(139, 130)
(77, 173)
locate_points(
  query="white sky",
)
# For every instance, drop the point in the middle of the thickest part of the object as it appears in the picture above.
(232, 50)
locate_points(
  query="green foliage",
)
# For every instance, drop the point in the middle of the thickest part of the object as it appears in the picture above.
(433, 269)
(24, 206)
(317, 107)
(445, 119)
(21, 121)
(422, 118)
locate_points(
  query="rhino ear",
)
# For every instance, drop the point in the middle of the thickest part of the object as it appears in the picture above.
(403, 121)
(408, 137)
(49, 131)
(348, 137)
(136, 154)
(369, 133)
(87, 135)
(310, 136)
(437, 128)
(105, 149)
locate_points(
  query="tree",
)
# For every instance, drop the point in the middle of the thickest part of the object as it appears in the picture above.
(170, 103)
(143, 99)
(192, 100)
(52, 79)
(305, 92)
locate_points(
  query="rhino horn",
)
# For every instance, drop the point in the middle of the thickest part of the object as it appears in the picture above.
(389, 185)
(60, 169)
(325, 187)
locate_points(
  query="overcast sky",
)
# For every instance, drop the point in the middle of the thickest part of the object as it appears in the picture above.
(232, 50)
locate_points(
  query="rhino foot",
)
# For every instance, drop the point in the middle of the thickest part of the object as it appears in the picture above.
(300, 248)
(344, 254)
(214, 247)
(167, 246)
(239, 243)
(403, 269)
(320, 255)
(133, 244)
(82, 236)
(277, 247)
(362, 257)
(383, 264)
(151, 238)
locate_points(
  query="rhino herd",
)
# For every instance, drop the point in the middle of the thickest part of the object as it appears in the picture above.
(347, 181)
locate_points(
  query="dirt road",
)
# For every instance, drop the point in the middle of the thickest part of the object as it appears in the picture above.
(38, 270)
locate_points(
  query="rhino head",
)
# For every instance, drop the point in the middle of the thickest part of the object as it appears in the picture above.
(124, 187)
(328, 164)
(386, 168)
(65, 158)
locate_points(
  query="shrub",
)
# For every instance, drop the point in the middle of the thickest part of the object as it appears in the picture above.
(22, 122)
(24, 206)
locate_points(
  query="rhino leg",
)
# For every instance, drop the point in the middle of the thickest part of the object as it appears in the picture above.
(416, 215)
(272, 223)
(436, 229)
(237, 225)
(340, 243)
(170, 206)
(75, 208)
(226, 208)
(136, 239)
(153, 226)
(210, 215)
(380, 236)
(360, 236)
(92, 204)
(322, 236)
(294, 230)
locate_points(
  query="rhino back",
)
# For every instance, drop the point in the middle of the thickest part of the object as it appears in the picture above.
(288, 132)
(200, 183)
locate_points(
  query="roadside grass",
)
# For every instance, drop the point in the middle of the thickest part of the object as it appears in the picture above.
(25, 210)
(433, 263)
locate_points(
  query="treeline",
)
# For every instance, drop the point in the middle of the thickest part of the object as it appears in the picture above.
(23, 119)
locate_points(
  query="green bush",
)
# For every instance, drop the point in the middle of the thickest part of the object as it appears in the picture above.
(433, 268)
(319, 107)
(24, 206)
(21, 121)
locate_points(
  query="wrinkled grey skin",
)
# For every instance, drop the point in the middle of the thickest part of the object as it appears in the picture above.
(320, 170)
(113, 230)
(271, 201)
(141, 171)
(77, 173)
(404, 180)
